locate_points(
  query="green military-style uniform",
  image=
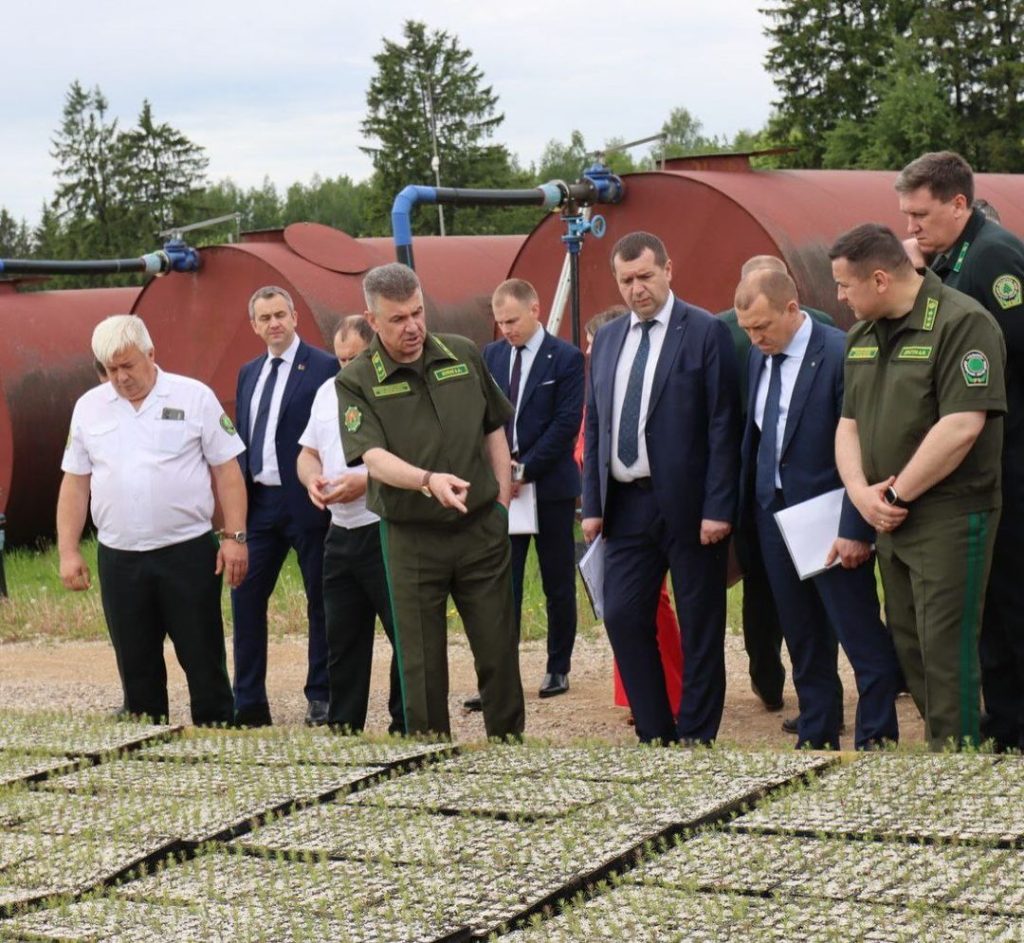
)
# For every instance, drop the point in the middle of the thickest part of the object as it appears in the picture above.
(987, 263)
(434, 413)
(902, 376)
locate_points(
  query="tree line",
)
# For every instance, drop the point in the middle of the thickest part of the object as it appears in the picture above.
(861, 84)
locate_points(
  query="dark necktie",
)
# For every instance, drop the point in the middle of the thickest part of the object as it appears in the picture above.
(629, 421)
(259, 429)
(513, 392)
(765, 481)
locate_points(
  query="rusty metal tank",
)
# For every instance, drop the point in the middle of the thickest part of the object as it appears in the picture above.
(199, 321)
(45, 365)
(714, 212)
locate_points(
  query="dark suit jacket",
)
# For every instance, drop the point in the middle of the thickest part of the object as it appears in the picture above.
(692, 421)
(808, 463)
(550, 413)
(310, 369)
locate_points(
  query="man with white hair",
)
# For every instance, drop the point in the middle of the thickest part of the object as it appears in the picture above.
(145, 447)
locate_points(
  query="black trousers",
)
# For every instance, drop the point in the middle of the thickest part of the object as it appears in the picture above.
(151, 594)
(556, 554)
(355, 593)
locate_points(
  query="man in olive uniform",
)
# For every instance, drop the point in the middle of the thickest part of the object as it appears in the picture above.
(762, 634)
(918, 450)
(977, 256)
(423, 414)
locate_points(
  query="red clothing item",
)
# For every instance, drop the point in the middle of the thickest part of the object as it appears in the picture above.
(671, 651)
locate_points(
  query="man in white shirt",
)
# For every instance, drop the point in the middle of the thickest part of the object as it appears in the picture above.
(355, 583)
(145, 447)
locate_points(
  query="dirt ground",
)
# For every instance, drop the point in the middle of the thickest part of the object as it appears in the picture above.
(83, 676)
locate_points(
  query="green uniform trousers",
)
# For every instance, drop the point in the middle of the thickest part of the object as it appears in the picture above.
(470, 561)
(934, 573)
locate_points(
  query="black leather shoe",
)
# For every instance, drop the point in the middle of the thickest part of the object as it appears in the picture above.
(789, 725)
(316, 714)
(770, 706)
(553, 684)
(473, 703)
(258, 716)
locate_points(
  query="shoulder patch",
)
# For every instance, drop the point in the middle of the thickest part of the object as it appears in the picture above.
(914, 353)
(227, 425)
(392, 389)
(1007, 290)
(67, 444)
(353, 418)
(959, 263)
(862, 353)
(930, 311)
(378, 367)
(450, 373)
(974, 367)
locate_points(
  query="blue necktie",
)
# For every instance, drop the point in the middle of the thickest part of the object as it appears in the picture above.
(629, 421)
(513, 394)
(766, 458)
(259, 429)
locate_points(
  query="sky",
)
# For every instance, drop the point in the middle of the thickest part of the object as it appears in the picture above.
(277, 89)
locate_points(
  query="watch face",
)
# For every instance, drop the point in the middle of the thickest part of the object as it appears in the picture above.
(890, 495)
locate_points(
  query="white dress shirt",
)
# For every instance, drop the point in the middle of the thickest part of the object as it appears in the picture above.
(794, 352)
(150, 467)
(271, 474)
(641, 468)
(323, 433)
(527, 355)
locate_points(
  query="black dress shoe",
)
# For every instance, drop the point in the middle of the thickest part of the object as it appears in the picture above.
(553, 684)
(316, 714)
(258, 716)
(473, 703)
(789, 725)
(772, 706)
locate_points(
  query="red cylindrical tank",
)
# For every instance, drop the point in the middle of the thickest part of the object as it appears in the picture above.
(715, 213)
(200, 324)
(45, 365)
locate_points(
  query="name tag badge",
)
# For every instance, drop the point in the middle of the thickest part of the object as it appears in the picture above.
(450, 373)
(172, 413)
(862, 353)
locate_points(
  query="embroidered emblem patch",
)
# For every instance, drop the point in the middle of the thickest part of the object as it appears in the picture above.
(392, 389)
(378, 366)
(67, 444)
(227, 425)
(449, 373)
(1007, 291)
(930, 311)
(862, 353)
(353, 418)
(974, 367)
(914, 353)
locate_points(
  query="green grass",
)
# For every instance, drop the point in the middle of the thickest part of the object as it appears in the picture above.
(39, 607)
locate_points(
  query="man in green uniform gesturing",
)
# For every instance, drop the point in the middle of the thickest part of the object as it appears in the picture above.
(918, 449)
(982, 259)
(423, 414)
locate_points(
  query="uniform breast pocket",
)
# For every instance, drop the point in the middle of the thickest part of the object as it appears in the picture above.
(170, 435)
(101, 440)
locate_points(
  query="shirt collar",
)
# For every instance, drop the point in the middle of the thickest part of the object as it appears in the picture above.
(160, 388)
(926, 307)
(952, 259)
(797, 345)
(288, 355)
(537, 338)
(433, 349)
(661, 317)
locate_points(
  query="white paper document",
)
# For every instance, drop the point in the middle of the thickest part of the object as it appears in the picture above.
(522, 512)
(592, 570)
(809, 529)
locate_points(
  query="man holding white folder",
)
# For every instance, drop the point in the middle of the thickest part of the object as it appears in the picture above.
(796, 393)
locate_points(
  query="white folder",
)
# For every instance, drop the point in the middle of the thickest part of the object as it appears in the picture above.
(809, 529)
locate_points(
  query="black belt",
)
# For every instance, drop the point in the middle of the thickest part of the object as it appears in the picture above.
(644, 484)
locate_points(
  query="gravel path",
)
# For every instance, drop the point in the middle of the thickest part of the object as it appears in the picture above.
(83, 676)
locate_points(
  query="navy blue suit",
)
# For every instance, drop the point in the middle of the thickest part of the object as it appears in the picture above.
(547, 423)
(838, 603)
(692, 438)
(280, 518)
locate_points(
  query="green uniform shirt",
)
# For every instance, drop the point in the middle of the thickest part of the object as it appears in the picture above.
(741, 342)
(987, 263)
(433, 413)
(903, 375)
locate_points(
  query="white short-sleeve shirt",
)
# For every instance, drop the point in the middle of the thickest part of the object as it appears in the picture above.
(323, 433)
(150, 467)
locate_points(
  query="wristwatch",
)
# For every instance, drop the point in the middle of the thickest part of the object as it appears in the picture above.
(891, 497)
(238, 536)
(425, 485)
